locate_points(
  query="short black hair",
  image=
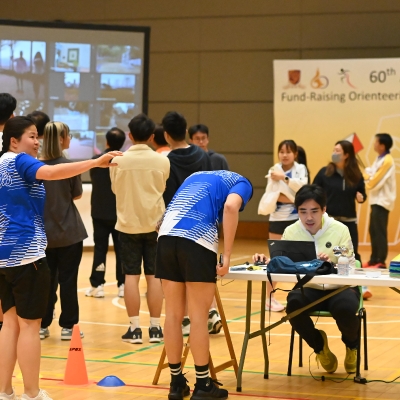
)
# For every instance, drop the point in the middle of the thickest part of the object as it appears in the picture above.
(41, 119)
(310, 192)
(159, 137)
(175, 125)
(385, 139)
(141, 127)
(8, 104)
(115, 138)
(197, 128)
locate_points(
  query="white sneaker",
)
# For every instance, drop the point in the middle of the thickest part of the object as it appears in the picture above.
(275, 306)
(97, 292)
(12, 396)
(43, 395)
(66, 334)
(214, 322)
(121, 290)
(186, 327)
(43, 334)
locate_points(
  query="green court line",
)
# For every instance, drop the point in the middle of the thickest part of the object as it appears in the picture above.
(243, 316)
(137, 351)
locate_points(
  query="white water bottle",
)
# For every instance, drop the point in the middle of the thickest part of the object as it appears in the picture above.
(343, 266)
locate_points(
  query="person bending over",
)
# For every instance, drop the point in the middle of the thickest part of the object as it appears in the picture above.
(186, 263)
(315, 225)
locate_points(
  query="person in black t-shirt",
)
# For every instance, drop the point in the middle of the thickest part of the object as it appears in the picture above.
(104, 216)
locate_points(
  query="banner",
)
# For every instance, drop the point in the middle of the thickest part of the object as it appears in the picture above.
(318, 102)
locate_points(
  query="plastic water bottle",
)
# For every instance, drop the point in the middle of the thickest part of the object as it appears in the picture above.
(343, 266)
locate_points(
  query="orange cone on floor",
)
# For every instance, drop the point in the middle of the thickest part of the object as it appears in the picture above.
(75, 371)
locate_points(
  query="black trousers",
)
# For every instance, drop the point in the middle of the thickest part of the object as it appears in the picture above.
(378, 231)
(342, 306)
(354, 237)
(64, 263)
(102, 229)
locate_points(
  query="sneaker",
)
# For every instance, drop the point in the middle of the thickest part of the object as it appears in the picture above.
(204, 392)
(121, 290)
(66, 334)
(274, 306)
(186, 326)
(44, 333)
(366, 293)
(134, 337)
(178, 389)
(350, 361)
(155, 334)
(12, 396)
(97, 292)
(214, 322)
(43, 395)
(325, 357)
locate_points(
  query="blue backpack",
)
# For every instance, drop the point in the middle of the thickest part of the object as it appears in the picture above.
(284, 265)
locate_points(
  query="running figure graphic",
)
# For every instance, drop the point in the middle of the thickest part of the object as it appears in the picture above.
(345, 76)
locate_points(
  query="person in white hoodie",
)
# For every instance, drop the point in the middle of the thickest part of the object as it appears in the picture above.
(315, 225)
(284, 180)
(381, 183)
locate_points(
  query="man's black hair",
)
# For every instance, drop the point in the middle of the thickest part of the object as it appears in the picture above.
(159, 137)
(385, 139)
(41, 119)
(115, 138)
(8, 104)
(141, 127)
(197, 128)
(175, 125)
(310, 192)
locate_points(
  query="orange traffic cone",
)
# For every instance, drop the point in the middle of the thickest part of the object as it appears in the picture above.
(75, 371)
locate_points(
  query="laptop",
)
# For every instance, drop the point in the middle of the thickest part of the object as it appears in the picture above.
(296, 250)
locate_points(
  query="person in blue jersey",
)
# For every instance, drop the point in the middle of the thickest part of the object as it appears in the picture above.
(284, 179)
(187, 265)
(24, 274)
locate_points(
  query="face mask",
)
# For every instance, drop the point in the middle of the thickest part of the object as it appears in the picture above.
(336, 158)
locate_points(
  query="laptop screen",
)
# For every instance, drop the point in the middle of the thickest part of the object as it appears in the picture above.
(296, 250)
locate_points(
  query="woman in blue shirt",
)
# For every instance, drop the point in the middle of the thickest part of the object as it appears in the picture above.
(24, 274)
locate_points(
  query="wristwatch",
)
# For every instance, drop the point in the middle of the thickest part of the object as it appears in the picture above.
(286, 178)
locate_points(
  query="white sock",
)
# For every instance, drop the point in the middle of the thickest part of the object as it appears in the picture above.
(134, 321)
(154, 322)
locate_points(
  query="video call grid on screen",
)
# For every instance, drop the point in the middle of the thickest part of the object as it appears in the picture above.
(91, 77)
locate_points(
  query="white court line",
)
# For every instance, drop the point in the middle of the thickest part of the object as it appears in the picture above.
(241, 333)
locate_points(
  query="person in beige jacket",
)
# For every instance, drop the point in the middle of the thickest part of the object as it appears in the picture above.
(139, 183)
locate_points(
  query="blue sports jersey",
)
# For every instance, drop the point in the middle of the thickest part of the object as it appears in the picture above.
(197, 207)
(22, 198)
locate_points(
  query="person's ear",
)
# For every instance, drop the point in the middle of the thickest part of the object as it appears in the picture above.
(151, 138)
(324, 210)
(130, 136)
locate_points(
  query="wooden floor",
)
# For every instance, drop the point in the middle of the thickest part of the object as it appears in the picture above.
(104, 321)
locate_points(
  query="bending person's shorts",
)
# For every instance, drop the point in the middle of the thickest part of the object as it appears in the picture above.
(182, 260)
(26, 288)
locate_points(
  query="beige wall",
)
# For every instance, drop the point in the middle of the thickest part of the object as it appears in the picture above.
(212, 59)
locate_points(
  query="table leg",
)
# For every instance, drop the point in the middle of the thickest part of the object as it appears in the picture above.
(246, 337)
(262, 328)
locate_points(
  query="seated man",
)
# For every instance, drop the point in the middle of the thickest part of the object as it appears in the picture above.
(315, 225)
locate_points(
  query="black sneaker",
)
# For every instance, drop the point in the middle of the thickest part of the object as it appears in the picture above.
(155, 335)
(204, 392)
(133, 336)
(179, 389)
